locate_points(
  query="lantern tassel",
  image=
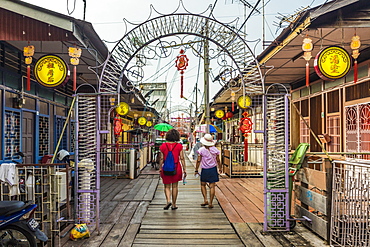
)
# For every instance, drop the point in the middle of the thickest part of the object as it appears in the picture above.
(355, 71)
(182, 86)
(74, 78)
(307, 74)
(28, 78)
(232, 106)
(245, 149)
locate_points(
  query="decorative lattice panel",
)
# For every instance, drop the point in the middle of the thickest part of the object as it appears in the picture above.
(87, 172)
(350, 219)
(73, 137)
(12, 134)
(276, 179)
(43, 136)
(59, 123)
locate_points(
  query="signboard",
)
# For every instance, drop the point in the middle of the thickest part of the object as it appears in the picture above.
(332, 63)
(123, 108)
(244, 102)
(51, 71)
(219, 114)
(142, 120)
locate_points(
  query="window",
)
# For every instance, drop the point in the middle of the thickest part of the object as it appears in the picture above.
(305, 131)
(358, 129)
(334, 133)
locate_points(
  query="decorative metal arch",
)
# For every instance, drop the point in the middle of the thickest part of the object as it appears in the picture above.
(115, 77)
(115, 70)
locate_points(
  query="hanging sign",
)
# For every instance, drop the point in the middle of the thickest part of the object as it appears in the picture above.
(219, 114)
(244, 102)
(332, 63)
(123, 108)
(141, 120)
(149, 123)
(51, 71)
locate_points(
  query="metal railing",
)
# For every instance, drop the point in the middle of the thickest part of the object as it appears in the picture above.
(237, 165)
(50, 187)
(350, 217)
(115, 158)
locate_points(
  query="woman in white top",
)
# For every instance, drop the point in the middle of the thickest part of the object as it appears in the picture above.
(208, 160)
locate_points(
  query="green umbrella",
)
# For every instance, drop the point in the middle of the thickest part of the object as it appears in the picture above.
(163, 127)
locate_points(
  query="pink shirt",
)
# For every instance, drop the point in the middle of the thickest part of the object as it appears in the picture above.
(208, 157)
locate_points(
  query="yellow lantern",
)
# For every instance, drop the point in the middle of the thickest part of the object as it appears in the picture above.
(28, 52)
(75, 54)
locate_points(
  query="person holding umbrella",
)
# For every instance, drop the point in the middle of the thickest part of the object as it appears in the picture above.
(208, 159)
(171, 181)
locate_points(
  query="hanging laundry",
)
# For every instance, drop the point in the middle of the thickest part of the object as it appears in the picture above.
(9, 175)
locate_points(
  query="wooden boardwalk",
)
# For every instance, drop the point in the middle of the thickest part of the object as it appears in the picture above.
(132, 215)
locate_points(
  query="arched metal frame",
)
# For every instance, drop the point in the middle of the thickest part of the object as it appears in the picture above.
(113, 78)
(187, 24)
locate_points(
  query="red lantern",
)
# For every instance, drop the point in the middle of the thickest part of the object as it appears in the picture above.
(229, 115)
(245, 126)
(117, 123)
(181, 64)
(355, 46)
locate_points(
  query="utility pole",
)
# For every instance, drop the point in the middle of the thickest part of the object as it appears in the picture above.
(206, 79)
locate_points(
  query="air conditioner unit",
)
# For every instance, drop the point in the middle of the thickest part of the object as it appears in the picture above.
(62, 185)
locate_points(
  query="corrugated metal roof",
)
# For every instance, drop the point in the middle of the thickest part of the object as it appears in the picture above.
(17, 27)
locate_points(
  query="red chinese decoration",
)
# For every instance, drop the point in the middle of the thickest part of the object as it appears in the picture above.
(355, 46)
(245, 126)
(181, 64)
(229, 115)
(307, 47)
(117, 126)
(28, 52)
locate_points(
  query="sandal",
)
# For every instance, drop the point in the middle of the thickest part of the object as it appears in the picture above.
(210, 206)
(167, 206)
(174, 208)
(204, 204)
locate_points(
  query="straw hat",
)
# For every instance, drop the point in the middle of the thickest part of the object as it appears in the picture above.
(207, 140)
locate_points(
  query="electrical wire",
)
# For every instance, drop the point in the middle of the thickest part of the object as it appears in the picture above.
(74, 7)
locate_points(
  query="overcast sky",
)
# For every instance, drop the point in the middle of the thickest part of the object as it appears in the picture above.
(107, 18)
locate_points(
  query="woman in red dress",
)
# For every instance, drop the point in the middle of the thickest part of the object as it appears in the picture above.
(171, 182)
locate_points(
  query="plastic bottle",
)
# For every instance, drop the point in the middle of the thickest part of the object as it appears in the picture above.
(184, 180)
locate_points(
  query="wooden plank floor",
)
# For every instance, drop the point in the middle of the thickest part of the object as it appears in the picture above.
(132, 215)
(189, 225)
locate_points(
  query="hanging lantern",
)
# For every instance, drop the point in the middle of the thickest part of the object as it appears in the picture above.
(245, 126)
(229, 115)
(28, 52)
(181, 64)
(307, 47)
(117, 123)
(75, 54)
(355, 46)
(232, 101)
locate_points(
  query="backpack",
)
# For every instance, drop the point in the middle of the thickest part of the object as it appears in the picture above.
(169, 165)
